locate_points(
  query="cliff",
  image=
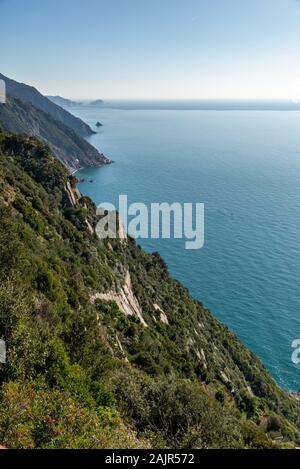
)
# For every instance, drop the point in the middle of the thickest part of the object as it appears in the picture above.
(104, 348)
(29, 94)
(71, 149)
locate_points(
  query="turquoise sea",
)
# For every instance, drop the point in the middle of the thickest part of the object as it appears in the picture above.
(245, 167)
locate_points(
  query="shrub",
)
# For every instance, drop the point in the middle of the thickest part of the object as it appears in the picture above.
(274, 424)
(45, 281)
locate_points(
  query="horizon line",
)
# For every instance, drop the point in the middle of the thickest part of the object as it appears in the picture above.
(208, 100)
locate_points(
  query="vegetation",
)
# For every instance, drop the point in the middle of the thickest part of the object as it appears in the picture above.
(81, 373)
(67, 145)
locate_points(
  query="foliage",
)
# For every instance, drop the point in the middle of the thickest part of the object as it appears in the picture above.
(81, 373)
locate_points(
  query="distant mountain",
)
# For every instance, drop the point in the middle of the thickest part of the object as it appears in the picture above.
(32, 95)
(71, 149)
(64, 102)
(97, 102)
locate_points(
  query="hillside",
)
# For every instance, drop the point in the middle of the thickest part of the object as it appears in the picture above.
(29, 94)
(97, 102)
(104, 348)
(63, 102)
(71, 149)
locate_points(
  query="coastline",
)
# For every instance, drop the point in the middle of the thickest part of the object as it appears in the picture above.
(227, 292)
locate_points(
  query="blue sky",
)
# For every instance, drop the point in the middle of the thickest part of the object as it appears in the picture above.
(153, 49)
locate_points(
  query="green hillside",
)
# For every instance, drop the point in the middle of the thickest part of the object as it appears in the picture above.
(104, 348)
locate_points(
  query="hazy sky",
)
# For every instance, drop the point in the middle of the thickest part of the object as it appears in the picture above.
(177, 49)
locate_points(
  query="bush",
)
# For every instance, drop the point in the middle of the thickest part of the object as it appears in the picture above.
(180, 411)
(274, 424)
(220, 396)
(32, 416)
(255, 438)
(30, 216)
(45, 281)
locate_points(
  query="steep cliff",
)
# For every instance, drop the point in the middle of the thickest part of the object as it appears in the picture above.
(29, 94)
(104, 348)
(71, 149)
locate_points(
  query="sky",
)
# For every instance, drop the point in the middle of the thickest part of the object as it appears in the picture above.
(153, 49)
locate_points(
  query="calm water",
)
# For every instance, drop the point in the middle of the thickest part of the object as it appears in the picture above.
(245, 167)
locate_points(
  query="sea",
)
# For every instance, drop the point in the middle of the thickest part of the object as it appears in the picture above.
(244, 166)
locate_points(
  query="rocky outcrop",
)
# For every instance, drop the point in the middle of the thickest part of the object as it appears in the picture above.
(162, 315)
(124, 298)
(73, 194)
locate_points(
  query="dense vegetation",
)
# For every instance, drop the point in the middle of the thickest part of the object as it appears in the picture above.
(81, 373)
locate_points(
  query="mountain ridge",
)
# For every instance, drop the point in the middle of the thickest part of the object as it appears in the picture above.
(64, 102)
(71, 149)
(27, 93)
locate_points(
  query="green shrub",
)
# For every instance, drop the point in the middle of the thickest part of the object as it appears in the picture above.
(30, 216)
(45, 281)
(274, 424)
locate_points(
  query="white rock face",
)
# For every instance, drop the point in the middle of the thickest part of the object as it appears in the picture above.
(125, 299)
(71, 194)
(163, 316)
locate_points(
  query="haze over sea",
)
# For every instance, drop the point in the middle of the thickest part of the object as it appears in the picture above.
(245, 167)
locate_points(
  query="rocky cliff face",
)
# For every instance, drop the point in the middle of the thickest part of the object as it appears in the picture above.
(71, 149)
(29, 94)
